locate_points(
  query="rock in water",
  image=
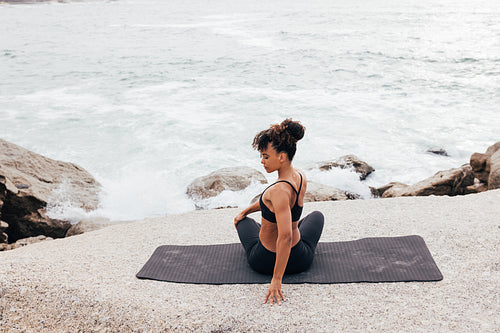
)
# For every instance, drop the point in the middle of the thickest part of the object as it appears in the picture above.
(320, 192)
(234, 179)
(395, 186)
(477, 187)
(449, 182)
(481, 163)
(438, 151)
(29, 182)
(348, 162)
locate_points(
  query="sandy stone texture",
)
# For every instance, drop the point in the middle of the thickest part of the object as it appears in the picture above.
(87, 283)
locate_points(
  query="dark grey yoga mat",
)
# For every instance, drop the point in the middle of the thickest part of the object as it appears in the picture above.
(381, 259)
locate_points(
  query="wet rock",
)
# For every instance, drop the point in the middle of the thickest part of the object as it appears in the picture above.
(348, 162)
(353, 196)
(375, 192)
(234, 179)
(381, 190)
(449, 182)
(3, 236)
(494, 177)
(481, 163)
(478, 163)
(320, 192)
(477, 187)
(3, 190)
(438, 151)
(29, 182)
(3, 225)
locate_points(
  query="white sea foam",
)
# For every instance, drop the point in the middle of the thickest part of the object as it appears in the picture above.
(229, 198)
(61, 206)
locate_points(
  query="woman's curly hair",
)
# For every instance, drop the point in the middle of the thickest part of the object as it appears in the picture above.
(283, 137)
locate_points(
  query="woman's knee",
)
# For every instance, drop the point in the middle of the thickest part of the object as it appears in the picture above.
(312, 228)
(318, 217)
(246, 223)
(315, 218)
(248, 232)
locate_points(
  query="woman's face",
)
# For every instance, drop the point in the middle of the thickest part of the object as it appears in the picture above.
(271, 159)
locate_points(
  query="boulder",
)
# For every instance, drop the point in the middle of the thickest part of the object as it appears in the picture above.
(234, 179)
(3, 228)
(494, 176)
(3, 191)
(91, 224)
(449, 182)
(396, 186)
(477, 187)
(375, 192)
(480, 163)
(24, 242)
(348, 162)
(437, 151)
(3, 225)
(320, 192)
(30, 182)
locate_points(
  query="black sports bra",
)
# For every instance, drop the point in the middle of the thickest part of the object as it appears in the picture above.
(296, 209)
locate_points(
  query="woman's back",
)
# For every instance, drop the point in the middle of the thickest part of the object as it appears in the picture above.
(294, 189)
(296, 198)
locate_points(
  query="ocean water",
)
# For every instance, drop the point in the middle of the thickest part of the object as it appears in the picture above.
(149, 94)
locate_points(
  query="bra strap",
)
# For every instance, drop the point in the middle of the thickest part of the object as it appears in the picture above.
(286, 181)
(300, 187)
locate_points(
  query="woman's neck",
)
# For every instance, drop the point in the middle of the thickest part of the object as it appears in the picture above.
(286, 171)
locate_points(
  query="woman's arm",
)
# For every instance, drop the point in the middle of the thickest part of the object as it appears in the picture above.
(255, 207)
(281, 205)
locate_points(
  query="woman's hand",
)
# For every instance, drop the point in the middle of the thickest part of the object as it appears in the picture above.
(238, 218)
(274, 292)
(249, 210)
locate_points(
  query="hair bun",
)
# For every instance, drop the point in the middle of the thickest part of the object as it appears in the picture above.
(294, 128)
(283, 137)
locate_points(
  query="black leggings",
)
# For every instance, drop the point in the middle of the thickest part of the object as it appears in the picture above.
(301, 255)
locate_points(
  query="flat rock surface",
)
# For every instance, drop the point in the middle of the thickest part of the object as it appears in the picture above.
(87, 282)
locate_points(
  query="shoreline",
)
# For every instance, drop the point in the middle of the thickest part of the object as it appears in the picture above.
(87, 282)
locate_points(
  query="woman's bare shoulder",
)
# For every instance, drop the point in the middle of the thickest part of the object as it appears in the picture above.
(304, 178)
(301, 172)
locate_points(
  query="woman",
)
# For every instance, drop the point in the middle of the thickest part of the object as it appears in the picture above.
(281, 243)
